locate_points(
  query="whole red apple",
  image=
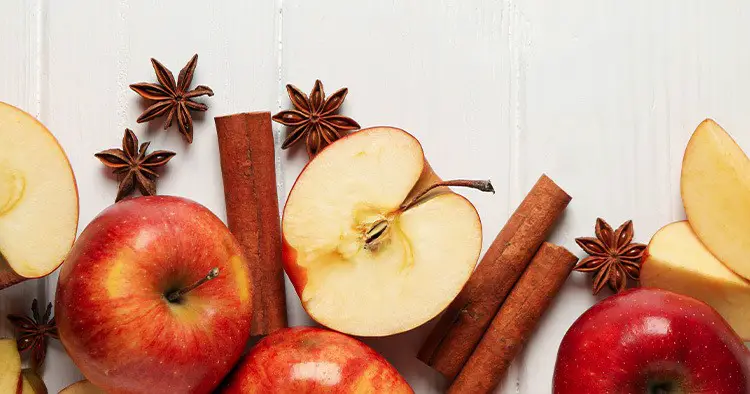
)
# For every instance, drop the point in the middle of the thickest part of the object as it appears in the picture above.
(128, 310)
(651, 341)
(313, 360)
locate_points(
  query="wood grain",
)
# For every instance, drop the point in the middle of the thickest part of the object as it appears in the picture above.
(600, 95)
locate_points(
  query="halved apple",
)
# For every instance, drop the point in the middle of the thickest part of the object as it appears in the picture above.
(676, 260)
(38, 199)
(10, 366)
(367, 251)
(82, 387)
(31, 383)
(715, 187)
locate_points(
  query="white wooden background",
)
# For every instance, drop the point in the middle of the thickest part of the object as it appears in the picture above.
(602, 95)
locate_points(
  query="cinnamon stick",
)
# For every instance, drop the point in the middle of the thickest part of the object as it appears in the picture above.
(517, 319)
(248, 168)
(464, 322)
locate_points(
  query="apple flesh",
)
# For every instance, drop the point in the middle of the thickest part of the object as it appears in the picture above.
(38, 199)
(676, 260)
(10, 366)
(715, 187)
(115, 310)
(360, 262)
(651, 341)
(82, 387)
(313, 360)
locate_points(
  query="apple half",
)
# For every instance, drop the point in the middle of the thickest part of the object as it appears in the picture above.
(715, 186)
(38, 199)
(82, 387)
(371, 247)
(676, 260)
(10, 367)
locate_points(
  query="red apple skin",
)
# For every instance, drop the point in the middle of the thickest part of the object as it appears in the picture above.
(114, 319)
(644, 339)
(308, 360)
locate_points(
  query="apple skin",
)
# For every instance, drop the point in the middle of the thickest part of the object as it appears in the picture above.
(646, 340)
(112, 314)
(314, 360)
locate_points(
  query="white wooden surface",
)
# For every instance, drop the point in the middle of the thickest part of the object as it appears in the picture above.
(601, 95)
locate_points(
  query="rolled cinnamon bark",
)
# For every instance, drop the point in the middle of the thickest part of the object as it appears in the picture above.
(464, 322)
(517, 319)
(248, 168)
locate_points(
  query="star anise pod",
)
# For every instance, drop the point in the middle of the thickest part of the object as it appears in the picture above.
(133, 166)
(315, 118)
(34, 331)
(613, 257)
(173, 99)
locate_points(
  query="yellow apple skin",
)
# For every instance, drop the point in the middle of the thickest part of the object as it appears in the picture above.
(38, 199)
(715, 188)
(676, 260)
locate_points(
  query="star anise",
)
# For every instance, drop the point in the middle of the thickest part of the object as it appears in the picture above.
(133, 166)
(33, 332)
(315, 118)
(173, 99)
(612, 256)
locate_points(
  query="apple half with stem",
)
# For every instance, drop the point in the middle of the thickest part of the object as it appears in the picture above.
(715, 188)
(676, 260)
(38, 199)
(373, 242)
(82, 387)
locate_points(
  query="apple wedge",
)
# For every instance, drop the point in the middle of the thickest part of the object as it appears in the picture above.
(371, 247)
(31, 383)
(10, 366)
(676, 260)
(82, 387)
(38, 199)
(715, 187)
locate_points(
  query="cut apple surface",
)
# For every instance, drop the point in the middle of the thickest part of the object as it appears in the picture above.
(10, 366)
(360, 262)
(715, 187)
(82, 387)
(38, 198)
(676, 260)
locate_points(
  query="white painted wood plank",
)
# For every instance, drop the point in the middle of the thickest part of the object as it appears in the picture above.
(440, 70)
(98, 48)
(20, 85)
(600, 95)
(612, 92)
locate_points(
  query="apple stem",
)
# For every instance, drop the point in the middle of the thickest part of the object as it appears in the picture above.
(177, 294)
(485, 186)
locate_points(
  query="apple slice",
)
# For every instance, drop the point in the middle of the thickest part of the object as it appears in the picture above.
(38, 199)
(82, 387)
(10, 366)
(32, 383)
(716, 193)
(368, 253)
(676, 260)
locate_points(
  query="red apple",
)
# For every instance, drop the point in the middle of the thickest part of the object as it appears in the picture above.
(313, 360)
(651, 341)
(128, 312)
